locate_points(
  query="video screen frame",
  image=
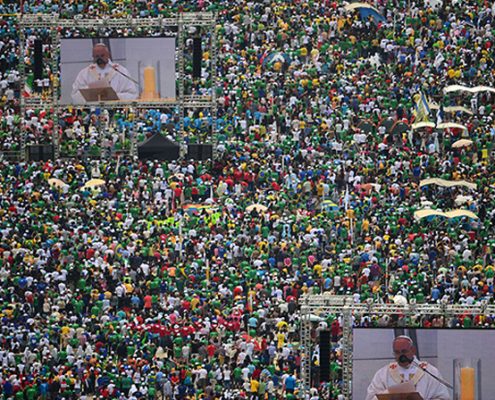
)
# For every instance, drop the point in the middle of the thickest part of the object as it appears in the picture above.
(80, 27)
(372, 350)
(343, 308)
(139, 69)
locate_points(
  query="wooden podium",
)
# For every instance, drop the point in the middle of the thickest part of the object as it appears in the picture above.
(105, 93)
(400, 396)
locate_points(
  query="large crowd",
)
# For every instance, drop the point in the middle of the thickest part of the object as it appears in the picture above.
(181, 280)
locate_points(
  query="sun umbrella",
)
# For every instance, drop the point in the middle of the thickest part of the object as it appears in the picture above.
(462, 143)
(195, 208)
(354, 6)
(54, 182)
(399, 128)
(93, 183)
(366, 11)
(366, 126)
(447, 125)
(388, 124)
(420, 125)
(328, 205)
(258, 207)
(458, 109)
(274, 57)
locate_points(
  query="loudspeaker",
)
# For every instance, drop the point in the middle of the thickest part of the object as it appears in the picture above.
(41, 152)
(38, 59)
(200, 151)
(197, 57)
(325, 348)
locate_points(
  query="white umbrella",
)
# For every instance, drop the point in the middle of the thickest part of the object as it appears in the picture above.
(462, 143)
(55, 182)
(447, 125)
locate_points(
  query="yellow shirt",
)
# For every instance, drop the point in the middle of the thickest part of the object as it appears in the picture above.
(254, 386)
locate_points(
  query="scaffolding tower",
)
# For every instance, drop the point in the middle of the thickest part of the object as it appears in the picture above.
(180, 21)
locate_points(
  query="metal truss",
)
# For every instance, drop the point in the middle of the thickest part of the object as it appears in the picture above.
(344, 305)
(179, 20)
(53, 21)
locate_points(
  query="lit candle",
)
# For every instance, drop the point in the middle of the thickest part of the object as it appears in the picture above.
(467, 384)
(149, 89)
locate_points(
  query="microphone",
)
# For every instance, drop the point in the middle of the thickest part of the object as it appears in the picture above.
(115, 67)
(404, 359)
(100, 62)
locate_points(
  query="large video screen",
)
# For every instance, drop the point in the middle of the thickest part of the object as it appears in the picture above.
(117, 69)
(372, 350)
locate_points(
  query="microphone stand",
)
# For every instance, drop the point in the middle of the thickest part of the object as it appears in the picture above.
(127, 76)
(413, 361)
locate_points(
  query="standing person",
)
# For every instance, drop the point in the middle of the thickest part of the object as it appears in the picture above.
(407, 368)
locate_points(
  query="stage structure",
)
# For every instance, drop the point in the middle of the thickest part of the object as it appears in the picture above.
(180, 23)
(344, 306)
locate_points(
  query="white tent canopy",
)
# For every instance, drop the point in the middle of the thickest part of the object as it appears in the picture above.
(460, 88)
(446, 183)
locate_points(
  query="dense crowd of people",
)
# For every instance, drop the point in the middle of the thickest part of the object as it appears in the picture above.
(182, 279)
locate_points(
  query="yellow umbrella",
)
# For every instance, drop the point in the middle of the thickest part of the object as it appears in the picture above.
(258, 207)
(56, 183)
(462, 143)
(93, 183)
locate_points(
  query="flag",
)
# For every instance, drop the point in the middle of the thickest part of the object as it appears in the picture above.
(28, 86)
(440, 114)
(439, 59)
(346, 198)
(421, 107)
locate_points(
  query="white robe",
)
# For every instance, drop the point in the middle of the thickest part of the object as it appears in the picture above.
(93, 74)
(392, 374)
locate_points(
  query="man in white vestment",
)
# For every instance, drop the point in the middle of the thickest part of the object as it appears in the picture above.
(405, 370)
(103, 72)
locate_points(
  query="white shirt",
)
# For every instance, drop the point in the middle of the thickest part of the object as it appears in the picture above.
(93, 74)
(392, 374)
